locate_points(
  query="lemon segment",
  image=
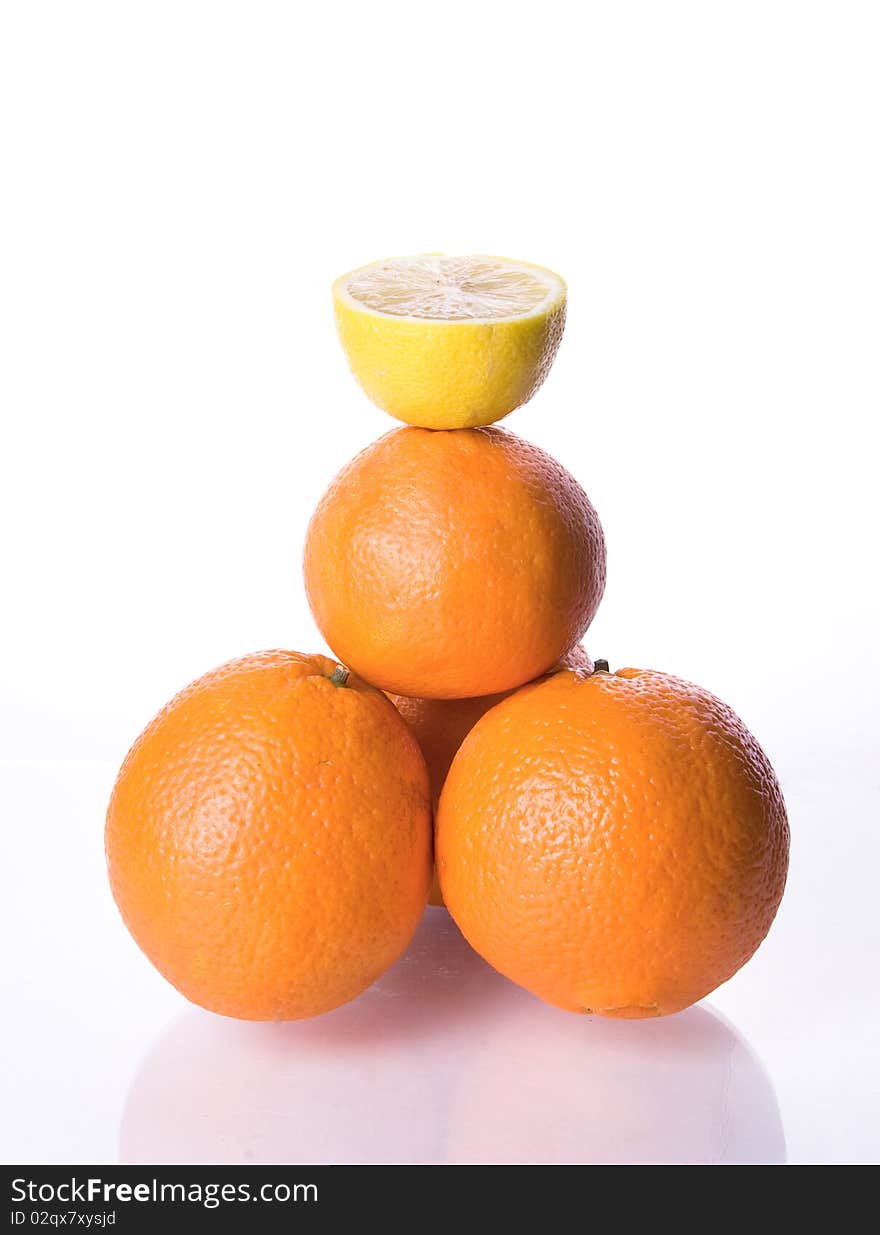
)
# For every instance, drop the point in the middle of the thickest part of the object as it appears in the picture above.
(450, 342)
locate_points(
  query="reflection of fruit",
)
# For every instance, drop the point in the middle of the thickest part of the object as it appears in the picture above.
(269, 837)
(441, 725)
(448, 565)
(543, 1088)
(443, 1061)
(368, 1083)
(614, 843)
(450, 342)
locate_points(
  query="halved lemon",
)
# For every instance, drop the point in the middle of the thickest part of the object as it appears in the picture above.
(450, 342)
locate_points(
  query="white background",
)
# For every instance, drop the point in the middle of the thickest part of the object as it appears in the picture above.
(182, 182)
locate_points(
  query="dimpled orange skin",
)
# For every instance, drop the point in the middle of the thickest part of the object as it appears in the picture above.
(447, 565)
(616, 843)
(269, 838)
(441, 725)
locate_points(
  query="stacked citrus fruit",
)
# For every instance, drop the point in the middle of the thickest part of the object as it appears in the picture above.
(616, 843)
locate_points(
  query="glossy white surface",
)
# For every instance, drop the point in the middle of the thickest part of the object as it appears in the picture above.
(184, 180)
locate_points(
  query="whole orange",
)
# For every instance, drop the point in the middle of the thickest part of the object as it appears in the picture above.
(615, 843)
(269, 837)
(446, 565)
(441, 725)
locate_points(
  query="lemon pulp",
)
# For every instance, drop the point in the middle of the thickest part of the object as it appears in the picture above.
(451, 289)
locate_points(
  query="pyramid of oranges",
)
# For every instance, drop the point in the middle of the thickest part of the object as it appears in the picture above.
(614, 842)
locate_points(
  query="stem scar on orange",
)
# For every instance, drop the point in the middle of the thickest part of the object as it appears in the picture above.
(269, 837)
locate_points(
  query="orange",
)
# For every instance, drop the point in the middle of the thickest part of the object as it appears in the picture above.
(441, 725)
(269, 837)
(615, 843)
(446, 565)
